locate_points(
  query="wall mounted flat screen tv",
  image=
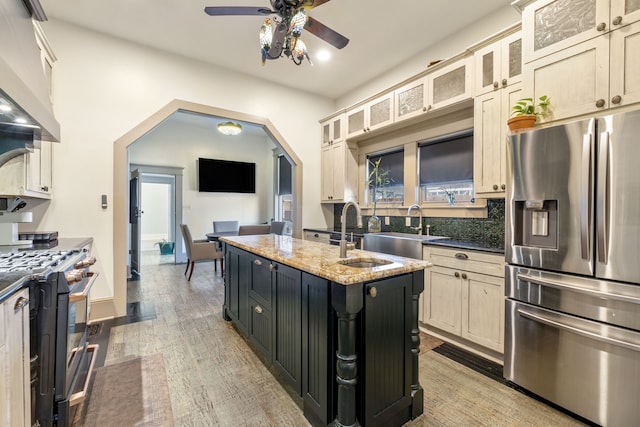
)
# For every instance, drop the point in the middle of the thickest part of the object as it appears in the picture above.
(225, 176)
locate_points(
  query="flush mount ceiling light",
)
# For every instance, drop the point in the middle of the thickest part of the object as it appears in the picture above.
(229, 128)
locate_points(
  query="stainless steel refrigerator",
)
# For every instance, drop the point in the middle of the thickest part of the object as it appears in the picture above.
(573, 267)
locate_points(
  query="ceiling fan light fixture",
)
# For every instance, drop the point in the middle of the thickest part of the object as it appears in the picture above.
(229, 128)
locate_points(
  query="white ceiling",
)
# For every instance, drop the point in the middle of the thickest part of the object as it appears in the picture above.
(382, 34)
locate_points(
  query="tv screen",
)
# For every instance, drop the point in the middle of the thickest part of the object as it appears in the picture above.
(225, 176)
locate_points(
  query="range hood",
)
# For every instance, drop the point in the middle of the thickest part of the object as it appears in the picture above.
(26, 111)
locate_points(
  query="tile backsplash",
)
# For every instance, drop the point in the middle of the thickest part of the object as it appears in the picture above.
(488, 230)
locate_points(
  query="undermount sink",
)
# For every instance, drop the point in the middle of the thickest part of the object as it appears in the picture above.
(401, 244)
(364, 262)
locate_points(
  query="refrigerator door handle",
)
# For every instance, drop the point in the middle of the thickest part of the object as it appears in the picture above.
(602, 196)
(576, 330)
(585, 203)
(560, 285)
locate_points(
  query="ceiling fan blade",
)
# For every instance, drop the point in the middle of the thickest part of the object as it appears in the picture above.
(310, 4)
(232, 10)
(320, 30)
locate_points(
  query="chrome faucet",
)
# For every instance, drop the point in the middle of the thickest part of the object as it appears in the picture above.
(417, 206)
(343, 220)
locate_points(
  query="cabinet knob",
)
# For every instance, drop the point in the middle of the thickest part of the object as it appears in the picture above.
(258, 309)
(272, 267)
(456, 274)
(495, 186)
(600, 103)
(44, 188)
(617, 20)
(601, 26)
(495, 85)
(504, 82)
(464, 275)
(503, 187)
(616, 99)
(21, 303)
(428, 107)
(424, 109)
(373, 292)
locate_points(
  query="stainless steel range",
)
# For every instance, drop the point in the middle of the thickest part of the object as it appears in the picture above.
(59, 282)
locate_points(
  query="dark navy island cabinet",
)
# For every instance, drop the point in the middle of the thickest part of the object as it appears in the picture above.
(350, 352)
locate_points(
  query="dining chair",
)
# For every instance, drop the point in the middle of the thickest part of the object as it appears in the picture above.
(200, 250)
(277, 227)
(253, 229)
(223, 227)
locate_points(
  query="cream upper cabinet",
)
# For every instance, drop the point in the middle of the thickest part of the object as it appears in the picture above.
(499, 64)
(339, 173)
(491, 112)
(450, 84)
(15, 386)
(332, 129)
(464, 296)
(370, 116)
(29, 174)
(624, 12)
(411, 100)
(608, 75)
(551, 25)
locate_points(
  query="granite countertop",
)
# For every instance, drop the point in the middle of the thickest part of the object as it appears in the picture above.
(322, 260)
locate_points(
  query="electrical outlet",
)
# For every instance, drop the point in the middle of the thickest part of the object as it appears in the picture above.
(407, 221)
(387, 221)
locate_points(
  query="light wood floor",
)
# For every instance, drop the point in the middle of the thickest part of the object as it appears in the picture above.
(214, 379)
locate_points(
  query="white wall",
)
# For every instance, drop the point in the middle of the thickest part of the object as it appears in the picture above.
(179, 144)
(483, 28)
(104, 87)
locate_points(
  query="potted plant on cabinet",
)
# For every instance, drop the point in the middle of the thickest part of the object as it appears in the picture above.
(525, 113)
(377, 179)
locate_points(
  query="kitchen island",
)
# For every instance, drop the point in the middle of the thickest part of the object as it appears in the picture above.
(340, 333)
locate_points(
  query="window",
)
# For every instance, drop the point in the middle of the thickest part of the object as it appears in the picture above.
(393, 162)
(446, 168)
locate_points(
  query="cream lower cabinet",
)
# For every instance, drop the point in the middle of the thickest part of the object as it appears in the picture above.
(463, 299)
(316, 236)
(339, 173)
(491, 112)
(15, 387)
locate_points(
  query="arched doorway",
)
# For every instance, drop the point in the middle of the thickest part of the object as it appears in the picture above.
(121, 182)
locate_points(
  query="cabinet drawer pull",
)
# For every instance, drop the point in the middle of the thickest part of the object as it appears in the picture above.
(461, 255)
(257, 262)
(373, 292)
(258, 309)
(601, 26)
(21, 303)
(456, 274)
(272, 267)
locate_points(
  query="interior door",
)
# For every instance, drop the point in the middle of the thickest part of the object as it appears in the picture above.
(135, 191)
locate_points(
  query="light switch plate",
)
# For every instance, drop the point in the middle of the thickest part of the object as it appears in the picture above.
(387, 221)
(407, 221)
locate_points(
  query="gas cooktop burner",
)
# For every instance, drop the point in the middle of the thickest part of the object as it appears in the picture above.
(31, 260)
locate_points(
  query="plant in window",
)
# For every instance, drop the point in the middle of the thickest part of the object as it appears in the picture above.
(378, 178)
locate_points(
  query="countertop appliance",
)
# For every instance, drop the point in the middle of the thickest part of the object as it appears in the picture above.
(573, 275)
(59, 282)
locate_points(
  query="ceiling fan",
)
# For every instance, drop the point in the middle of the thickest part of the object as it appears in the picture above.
(283, 38)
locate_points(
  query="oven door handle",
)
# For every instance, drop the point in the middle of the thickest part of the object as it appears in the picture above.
(577, 289)
(578, 331)
(79, 296)
(79, 396)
